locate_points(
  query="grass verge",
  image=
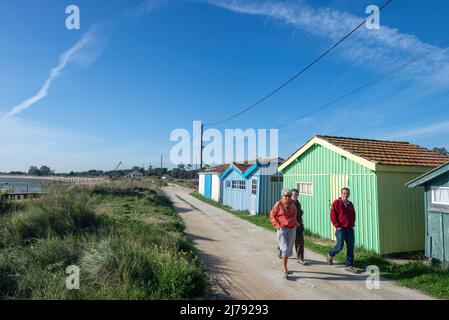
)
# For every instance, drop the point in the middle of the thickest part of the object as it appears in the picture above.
(416, 275)
(126, 239)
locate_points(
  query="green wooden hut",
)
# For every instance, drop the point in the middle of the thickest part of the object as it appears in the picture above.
(389, 215)
(436, 199)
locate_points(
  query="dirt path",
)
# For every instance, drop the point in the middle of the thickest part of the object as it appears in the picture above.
(240, 260)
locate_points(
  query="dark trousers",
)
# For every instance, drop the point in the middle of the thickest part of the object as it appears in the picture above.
(299, 243)
(345, 236)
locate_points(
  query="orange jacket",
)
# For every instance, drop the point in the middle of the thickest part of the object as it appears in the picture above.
(282, 217)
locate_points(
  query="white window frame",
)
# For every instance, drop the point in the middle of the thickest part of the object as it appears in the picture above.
(228, 184)
(433, 196)
(239, 185)
(300, 189)
(254, 183)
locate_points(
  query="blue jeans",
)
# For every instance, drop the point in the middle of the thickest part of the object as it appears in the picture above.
(344, 235)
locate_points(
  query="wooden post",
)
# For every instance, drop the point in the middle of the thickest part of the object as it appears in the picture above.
(201, 147)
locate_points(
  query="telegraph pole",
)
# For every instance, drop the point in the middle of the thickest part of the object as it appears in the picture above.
(202, 147)
(162, 158)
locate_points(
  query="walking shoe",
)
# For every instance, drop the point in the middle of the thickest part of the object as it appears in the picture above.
(303, 263)
(352, 269)
(330, 260)
(286, 275)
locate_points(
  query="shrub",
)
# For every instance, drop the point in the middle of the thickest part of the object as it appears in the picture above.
(178, 277)
(57, 214)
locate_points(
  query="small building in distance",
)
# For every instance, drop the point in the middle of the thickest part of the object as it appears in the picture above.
(135, 175)
(436, 199)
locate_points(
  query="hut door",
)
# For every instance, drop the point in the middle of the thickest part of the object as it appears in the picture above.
(253, 196)
(208, 186)
(337, 182)
(435, 235)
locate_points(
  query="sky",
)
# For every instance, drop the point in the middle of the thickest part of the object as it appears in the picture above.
(137, 70)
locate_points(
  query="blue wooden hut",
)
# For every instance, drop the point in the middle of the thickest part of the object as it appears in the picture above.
(436, 198)
(252, 186)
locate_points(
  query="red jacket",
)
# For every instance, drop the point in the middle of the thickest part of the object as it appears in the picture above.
(342, 216)
(282, 217)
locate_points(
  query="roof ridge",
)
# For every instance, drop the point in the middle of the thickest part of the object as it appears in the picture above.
(362, 139)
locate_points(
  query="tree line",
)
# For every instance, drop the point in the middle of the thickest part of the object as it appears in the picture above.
(180, 172)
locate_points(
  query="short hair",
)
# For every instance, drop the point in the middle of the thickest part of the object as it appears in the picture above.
(345, 189)
(295, 191)
(286, 192)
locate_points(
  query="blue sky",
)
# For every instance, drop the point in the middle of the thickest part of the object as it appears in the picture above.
(148, 67)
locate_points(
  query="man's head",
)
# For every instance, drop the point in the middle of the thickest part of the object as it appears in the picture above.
(295, 194)
(345, 193)
(286, 196)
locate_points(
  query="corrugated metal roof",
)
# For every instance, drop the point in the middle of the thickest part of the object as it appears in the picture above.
(390, 153)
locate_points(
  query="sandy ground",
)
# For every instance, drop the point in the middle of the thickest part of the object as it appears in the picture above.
(241, 263)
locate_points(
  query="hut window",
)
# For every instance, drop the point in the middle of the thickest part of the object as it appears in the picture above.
(254, 186)
(240, 185)
(440, 195)
(228, 184)
(305, 188)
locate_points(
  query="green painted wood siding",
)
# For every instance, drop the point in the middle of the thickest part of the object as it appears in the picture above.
(401, 211)
(318, 165)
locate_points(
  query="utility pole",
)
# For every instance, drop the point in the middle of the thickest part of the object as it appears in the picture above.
(162, 158)
(202, 147)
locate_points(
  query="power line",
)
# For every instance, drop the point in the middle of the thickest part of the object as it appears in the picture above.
(352, 92)
(298, 74)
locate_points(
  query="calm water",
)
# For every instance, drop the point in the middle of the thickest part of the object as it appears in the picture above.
(21, 185)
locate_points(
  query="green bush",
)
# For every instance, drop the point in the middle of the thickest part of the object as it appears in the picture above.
(58, 214)
(178, 277)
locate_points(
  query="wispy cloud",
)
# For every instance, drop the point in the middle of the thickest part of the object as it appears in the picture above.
(83, 53)
(74, 54)
(377, 50)
(145, 7)
(437, 128)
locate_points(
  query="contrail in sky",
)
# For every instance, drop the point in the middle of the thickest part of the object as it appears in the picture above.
(64, 59)
(83, 53)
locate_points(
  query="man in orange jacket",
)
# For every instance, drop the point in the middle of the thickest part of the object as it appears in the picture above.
(283, 216)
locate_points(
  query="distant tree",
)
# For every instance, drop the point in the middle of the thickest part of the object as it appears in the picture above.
(442, 151)
(34, 171)
(17, 173)
(45, 171)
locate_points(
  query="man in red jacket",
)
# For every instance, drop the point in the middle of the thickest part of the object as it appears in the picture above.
(343, 219)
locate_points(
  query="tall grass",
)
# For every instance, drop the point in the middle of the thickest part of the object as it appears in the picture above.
(126, 240)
